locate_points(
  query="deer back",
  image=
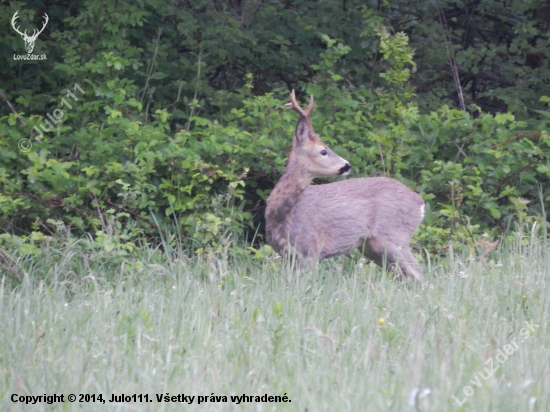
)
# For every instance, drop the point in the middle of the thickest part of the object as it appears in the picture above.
(336, 218)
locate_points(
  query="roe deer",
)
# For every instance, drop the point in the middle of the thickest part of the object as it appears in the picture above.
(377, 215)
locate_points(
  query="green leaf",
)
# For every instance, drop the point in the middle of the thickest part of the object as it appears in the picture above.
(502, 118)
(495, 213)
(158, 75)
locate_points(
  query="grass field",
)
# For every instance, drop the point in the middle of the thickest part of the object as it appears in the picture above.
(345, 337)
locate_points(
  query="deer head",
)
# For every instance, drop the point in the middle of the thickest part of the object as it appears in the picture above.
(29, 40)
(309, 151)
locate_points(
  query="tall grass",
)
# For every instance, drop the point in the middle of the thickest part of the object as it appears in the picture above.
(344, 337)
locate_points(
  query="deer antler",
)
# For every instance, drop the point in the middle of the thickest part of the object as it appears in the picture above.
(13, 19)
(35, 32)
(295, 106)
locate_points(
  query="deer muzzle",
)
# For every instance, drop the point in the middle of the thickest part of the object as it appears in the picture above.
(344, 171)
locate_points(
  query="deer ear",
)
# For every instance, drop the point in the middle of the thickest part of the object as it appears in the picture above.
(302, 131)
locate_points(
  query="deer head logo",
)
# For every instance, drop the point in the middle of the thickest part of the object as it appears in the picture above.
(29, 40)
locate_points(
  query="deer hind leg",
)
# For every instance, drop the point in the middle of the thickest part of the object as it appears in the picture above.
(408, 263)
(380, 248)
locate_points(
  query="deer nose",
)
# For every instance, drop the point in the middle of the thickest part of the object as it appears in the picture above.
(345, 169)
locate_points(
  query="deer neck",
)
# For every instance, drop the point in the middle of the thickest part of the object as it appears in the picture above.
(283, 199)
(295, 178)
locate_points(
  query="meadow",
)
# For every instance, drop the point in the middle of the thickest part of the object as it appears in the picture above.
(343, 337)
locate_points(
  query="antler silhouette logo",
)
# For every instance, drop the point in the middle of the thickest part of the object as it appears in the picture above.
(29, 40)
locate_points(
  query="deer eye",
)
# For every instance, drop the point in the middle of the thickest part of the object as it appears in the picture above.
(324, 152)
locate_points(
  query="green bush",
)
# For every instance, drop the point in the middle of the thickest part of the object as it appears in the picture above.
(123, 168)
